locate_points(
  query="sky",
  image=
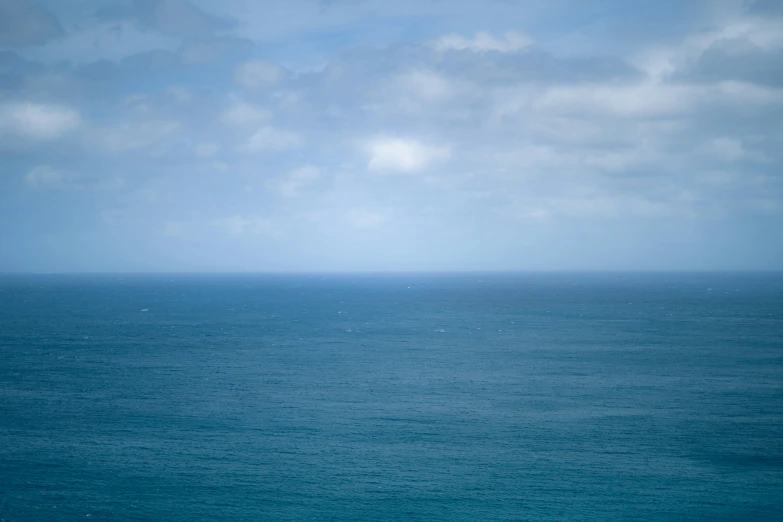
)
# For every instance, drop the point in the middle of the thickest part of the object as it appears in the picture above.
(371, 135)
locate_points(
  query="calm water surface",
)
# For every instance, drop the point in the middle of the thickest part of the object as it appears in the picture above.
(406, 397)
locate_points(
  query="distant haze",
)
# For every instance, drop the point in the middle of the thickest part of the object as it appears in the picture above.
(364, 135)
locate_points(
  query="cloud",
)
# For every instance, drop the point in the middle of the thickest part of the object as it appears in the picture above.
(207, 51)
(766, 8)
(206, 149)
(415, 90)
(632, 100)
(272, 139)
(513, 42)
(178, 18)
(235, 227)
(730, 149)
(598, 206)
(38, 121)
(721, 64)
(44, 177)
(364, 219)
(175, 229)
(721, 53)
(292, 184)
(152, 136)
(244, 225)
(727, 149)
(422, 139)
(242, 113)
(258, 74)
(404, 155)
(24, 22)
(427, 85)
(644, 99)
(213, 50)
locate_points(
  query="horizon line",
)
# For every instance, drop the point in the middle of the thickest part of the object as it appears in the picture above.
(393, 272)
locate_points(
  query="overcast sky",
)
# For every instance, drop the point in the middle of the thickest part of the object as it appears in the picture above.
(304, 135)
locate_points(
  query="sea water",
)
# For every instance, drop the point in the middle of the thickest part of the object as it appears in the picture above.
(391, 397)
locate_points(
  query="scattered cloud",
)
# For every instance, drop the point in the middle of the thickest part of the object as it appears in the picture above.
(634, 100)
(403, 155)
(38, 121)
(292, 184)
(745, 38)
(364, 219)
(727, 149)
(151, 136)
(178, 18)
(207, 149)
(258, 74)
(212, 50)
(210, 123)
(242, 113)
(244, 225)
(482, 42)
(428, 85)
(44, 177)
(269, 139)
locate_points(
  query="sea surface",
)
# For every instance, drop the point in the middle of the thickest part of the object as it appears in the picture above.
(392, 397)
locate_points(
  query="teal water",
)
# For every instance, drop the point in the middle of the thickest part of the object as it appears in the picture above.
(405, 397)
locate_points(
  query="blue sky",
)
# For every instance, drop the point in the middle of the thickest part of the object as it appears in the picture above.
(343, 135)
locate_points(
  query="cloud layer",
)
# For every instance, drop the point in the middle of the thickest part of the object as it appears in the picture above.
(179, 135)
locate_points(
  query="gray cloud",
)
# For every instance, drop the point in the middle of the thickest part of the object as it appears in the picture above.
(179, 18)
(24, 22)
(766, 8)
(737, 60)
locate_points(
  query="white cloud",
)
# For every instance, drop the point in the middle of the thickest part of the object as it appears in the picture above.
(364, 219)
(243, 113)
(295, 181)
(271, 139)
(37, 121)
(388, 154)
(637, 100)
(743, 93)
(150, 135)
(514, 41)
(258, 74)
(634, 100)
(244, 225)
(425, 84)
(618, 161)
(175, 229)
(415, 91)
(180, 94)
(763, 205)
(598, 206)
(220, 166)
(727, 149)
(478, 122)
(236, 226)
(44, 176)
(730, 149)
(207, 149)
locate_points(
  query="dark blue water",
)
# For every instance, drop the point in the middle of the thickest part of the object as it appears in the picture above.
(407, 397)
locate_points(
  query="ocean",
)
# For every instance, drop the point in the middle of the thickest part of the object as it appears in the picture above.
(531, 396)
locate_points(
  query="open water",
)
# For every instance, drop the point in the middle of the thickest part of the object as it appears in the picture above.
(392, 397)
